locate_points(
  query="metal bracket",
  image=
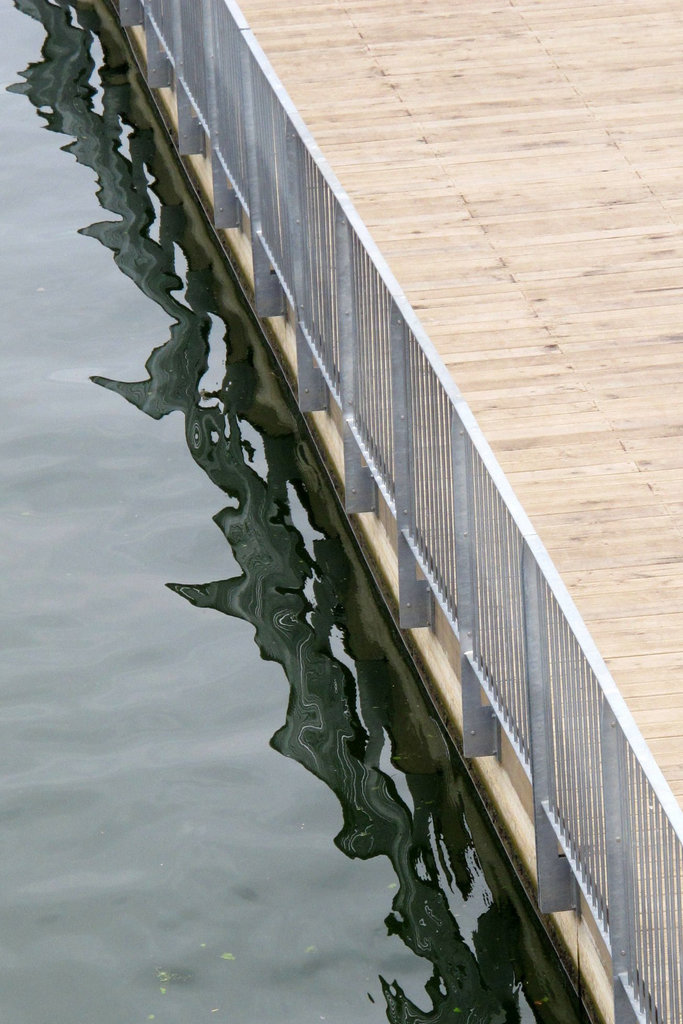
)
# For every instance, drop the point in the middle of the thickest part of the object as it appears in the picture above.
(625, 1009)
(415, 596)
(130, 13)
(480, 725)
(360, 490)
(312, 389)
(226, 207)
(190, 131)
(269, 298)
(557, 886)
(159, 67)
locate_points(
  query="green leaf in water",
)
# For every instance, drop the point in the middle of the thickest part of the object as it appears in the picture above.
(392, 885)
(227, 956)
(310, 949)
(162, 990)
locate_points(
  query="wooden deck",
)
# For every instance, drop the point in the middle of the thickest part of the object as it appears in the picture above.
(520, 165)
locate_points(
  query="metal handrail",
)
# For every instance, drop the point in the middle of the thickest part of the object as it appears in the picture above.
(599, 797)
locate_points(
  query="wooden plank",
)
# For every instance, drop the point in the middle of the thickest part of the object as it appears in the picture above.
(521, 170)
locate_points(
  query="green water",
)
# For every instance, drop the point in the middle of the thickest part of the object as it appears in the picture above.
(223, 796)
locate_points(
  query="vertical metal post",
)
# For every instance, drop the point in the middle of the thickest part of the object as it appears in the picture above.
(226, 208)
(415, 597)
(312, 391)
(190, 134)
(481, 729)
(556, 889)
(159, 67)
(619, 866)
(360, 490)
(130, 13)
(268, 295)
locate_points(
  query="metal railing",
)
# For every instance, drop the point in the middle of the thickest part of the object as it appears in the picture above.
(605, 818)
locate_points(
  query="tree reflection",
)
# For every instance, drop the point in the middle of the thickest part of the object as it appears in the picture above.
(348, 719)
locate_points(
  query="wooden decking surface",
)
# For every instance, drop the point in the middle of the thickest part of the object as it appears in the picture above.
(520, 165)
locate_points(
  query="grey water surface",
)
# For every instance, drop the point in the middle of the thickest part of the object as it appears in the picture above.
(222, 797)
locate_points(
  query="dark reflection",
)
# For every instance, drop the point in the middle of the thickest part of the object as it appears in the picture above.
(355, 718)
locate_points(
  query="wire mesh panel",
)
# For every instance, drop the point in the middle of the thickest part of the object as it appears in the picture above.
(432, 511)
(498, 641)
(653, 869)
(372, 385)
(228, 134)
(573, 729)
(192, 69)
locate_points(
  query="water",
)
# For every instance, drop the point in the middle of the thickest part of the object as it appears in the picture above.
(222, 796)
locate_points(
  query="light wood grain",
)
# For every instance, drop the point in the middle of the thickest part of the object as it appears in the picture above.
(520, 166)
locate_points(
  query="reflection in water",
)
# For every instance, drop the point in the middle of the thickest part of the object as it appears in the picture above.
(349, 721)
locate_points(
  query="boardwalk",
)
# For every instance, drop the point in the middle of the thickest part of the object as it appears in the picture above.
(520, 166)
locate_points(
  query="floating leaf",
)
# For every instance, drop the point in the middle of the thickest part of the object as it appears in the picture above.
(392, 885)
(310, 949)
(167, 977)
(227, 956)
(162, 990)
(202, 945)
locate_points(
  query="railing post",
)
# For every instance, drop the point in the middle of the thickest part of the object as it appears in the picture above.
(159, 67)
(415, 596)
(481, 730)
(311, 390)
(360, 490)
(226, 207)
(268, 294)
(556, 886)
(190, 134)
(130, 13)
(619, 865)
